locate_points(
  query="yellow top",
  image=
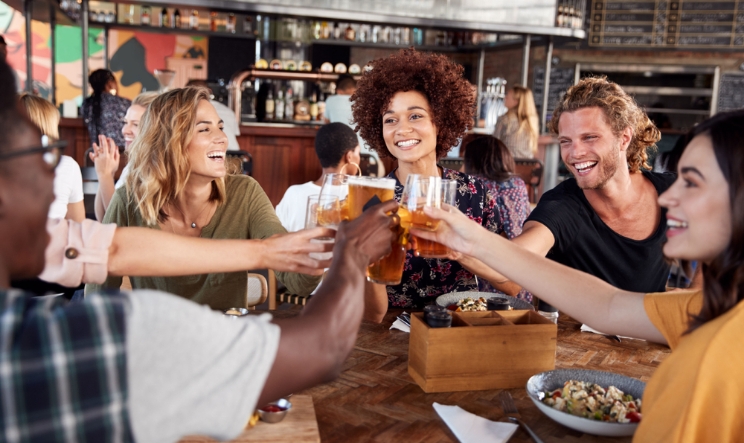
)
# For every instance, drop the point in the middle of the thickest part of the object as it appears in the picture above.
(697, 394)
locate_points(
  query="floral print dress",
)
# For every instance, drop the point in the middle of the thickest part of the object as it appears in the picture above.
(513, 205)
(424, 279)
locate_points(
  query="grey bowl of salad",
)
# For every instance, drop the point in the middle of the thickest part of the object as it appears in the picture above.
(594, 402)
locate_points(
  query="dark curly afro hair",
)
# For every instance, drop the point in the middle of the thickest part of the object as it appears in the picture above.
(438, 78)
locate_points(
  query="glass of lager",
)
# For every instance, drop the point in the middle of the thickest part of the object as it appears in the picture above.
(365, 192)
(421, 192)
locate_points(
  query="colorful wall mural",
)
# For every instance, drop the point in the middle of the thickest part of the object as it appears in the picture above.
(133, 55)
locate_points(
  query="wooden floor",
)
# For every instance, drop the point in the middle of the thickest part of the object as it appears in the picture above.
(375, 400)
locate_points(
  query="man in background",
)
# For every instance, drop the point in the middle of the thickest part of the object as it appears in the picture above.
(337, 146)
(338, 109)
(231, 128)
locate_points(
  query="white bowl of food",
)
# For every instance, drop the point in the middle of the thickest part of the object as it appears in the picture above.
(594, 402)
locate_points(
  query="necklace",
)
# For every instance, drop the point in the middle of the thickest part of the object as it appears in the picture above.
(193, 223)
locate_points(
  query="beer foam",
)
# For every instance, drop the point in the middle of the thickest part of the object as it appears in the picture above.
(377, 182)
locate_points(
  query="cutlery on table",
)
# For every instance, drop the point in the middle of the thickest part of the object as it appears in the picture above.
(507, 404)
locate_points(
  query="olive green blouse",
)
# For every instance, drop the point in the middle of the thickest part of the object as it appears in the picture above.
(246, 214)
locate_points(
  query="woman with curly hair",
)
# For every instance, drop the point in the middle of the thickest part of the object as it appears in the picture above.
(179, 182)
(415, 107)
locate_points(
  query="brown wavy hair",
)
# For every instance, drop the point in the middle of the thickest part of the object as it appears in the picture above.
(159, 164)
(723, 277)
(435, 76)
(488, 157)
(620, 111)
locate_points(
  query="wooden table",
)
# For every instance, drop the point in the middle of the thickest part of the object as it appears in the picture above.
(375, 400)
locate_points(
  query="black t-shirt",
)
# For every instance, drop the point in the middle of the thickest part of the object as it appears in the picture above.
(584, 242)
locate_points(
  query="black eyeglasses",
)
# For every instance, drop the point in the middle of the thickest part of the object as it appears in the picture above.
(51, 152)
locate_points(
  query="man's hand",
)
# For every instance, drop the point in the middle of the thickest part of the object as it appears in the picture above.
(290, 252)
(105, 156)
(371, 234)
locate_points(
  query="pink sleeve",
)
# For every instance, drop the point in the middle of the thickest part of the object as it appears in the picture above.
(77, 252)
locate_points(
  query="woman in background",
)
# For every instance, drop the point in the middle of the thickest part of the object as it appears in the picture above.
(68, 181)
(488, 158)
(105, 154)
(103, 111)
(519, 127)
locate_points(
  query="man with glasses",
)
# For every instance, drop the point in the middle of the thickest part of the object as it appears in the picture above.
(148, 366)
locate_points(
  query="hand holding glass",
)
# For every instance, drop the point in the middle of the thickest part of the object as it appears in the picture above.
(421, 192)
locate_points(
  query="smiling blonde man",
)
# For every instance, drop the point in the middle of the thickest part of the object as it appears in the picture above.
(605, 220)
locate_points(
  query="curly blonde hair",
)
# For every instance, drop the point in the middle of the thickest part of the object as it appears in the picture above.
(438, 78)
(620, 111)
(159, 164)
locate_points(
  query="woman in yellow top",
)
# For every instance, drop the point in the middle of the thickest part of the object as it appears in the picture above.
(519, 127)
(697, 394)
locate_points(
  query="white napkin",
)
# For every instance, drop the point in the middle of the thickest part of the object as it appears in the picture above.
(470, 428)
(586, 328)
(397, 324)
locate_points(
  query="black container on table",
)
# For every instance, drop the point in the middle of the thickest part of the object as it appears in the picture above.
(428, 309)
(497, 304)
(439, 319)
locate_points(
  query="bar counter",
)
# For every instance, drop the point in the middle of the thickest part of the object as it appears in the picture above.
(375, 400)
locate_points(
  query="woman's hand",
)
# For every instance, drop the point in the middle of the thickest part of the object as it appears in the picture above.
(291, 252)
(105, 156)
(456, 230)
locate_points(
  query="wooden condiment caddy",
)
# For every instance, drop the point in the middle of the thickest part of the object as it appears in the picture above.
(482, 350)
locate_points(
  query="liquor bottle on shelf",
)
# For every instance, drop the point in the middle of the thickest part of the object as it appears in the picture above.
(314, 107)
(176, 19)
(289, 105)
(270, 106)
(213, 21)
(248, 25)
(397, 36)
(571, 17)
(336, 31)
(316, 30)
(418, 36)
(321, 107)
(559, 16)
(350, 34)
(145, 16)
(194, 20)
(375, 33)
(231, 23)
(325, 31)
(164, 17)
(279, 106)
(130, 16)
(363, 33)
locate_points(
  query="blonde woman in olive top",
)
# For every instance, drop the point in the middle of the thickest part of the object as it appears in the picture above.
(697, 393)
(179, 182)
(519, 127)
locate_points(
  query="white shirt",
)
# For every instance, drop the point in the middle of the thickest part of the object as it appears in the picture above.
(123, 177)
(68, 186)
(231, 128)
(293, 207)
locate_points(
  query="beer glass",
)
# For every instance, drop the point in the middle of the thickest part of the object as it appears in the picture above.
(336, 185)
(421, 192)
(369, 191)
(325, 211)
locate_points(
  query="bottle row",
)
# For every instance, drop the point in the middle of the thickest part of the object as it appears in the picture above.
(570, 14)
(272, 28)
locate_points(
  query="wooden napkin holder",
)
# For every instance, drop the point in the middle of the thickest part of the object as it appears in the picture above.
(482, 350)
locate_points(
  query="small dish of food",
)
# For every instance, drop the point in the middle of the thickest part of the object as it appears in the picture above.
(594, 402)
(326, 67)
(452, 299)
(275, 412)
(236, 312)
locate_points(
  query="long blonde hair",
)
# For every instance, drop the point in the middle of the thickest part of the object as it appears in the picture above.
(43, 114)
(159, 164)
(526, 114)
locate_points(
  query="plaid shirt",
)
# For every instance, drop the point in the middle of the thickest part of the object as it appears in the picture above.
(63, 369)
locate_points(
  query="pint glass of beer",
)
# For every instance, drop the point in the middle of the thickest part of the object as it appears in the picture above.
(369, 191)
(337, 185)
(322, 211)
(421, 192)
